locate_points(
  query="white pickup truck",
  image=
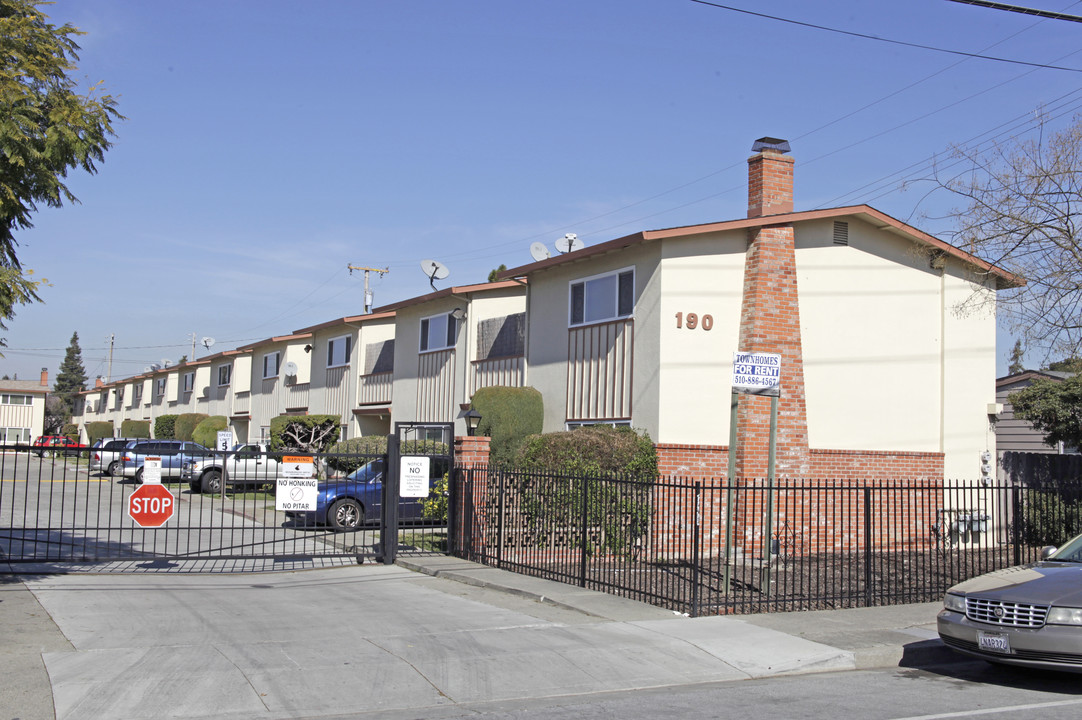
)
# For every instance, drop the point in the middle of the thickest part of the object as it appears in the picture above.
(248, 465)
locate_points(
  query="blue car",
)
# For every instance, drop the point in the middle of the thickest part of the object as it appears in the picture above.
(354, 501)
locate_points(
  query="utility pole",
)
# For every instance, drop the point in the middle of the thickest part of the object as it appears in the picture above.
(193, 346)
(367, 292)
(109, 369)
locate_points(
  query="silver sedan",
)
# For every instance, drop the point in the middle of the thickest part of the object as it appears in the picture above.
(1028, 615)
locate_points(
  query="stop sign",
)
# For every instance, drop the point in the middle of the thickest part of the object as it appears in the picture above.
(151, 505)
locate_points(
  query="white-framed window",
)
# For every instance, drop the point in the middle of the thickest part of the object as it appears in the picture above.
(225, 374)
(601, 297)
(438, 332)
(188, 381)
(136, 393)
(15, 435)
(159, 386)
(572, 424)
(338, 350)
(270, 364)
(10, 399)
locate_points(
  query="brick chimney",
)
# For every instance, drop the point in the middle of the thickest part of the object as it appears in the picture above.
(770, 319)
(98, 383)
(45, 377)
(770, 178)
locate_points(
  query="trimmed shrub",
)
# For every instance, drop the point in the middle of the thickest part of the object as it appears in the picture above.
(165, 426)
(186, 424)
(304, 433)
(70, 430)
(361, 446)
(206, 432)
(135, 429)
(590, 450)
(97, 431)
(1050, 517)
(508, 416)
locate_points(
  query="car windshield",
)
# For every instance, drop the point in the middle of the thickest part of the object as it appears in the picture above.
(367, 473)
(1071, 551)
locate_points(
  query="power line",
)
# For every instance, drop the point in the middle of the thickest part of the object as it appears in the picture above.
(886, 40)
(1019, 9)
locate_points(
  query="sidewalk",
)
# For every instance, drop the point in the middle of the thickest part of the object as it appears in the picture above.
(430, 637)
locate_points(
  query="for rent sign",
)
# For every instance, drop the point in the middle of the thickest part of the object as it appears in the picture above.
(757, 373)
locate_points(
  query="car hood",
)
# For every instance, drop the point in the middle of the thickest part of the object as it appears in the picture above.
(1043, 583)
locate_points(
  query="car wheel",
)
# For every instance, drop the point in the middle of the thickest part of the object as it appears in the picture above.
(114, 469)
(139, 476)
(212, 482)
(39, 453)
(346, 514)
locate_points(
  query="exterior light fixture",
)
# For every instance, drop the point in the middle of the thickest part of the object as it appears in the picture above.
(458, 314)
(473, 419)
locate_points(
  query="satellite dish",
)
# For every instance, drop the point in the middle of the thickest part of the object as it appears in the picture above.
(165, 362)
(155, 366)
(290, 368)
(539, 251)
(207, 342)
(569, 243)
(435, 271)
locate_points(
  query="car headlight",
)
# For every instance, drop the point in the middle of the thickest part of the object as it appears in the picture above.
(957, 603)
(1064, 616)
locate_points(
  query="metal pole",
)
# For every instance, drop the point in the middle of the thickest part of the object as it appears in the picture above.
(729, 493)
(770, 488)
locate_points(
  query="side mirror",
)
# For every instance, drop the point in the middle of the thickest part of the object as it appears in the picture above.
(1047, 551)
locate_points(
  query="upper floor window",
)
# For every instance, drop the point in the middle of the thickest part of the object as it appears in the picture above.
(270, 365)
(225, 374)
(159, 386)
(501, 337)
(7, 399)
(338, 350)
(136, 393)
(188, 381)
(379, 357)
(438, 332)
(602, 297)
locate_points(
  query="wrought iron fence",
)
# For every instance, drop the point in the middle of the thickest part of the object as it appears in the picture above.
(704, 547)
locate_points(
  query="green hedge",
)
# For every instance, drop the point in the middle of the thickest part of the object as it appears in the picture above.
(97, 431)
(70, 430)
(1050, 517)
(509, 415)
(590, 450)
(363, 446)
(206, 432)
(135, 429)
(186, 424)
(165, 427)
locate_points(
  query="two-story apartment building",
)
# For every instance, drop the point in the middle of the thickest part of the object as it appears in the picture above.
(22, 409)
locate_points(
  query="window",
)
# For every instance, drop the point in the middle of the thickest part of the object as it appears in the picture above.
(501, 337)
(379, 357)
(225, 374)
(6, 399)
(601, 298)
(438, 332)
(270, 365)
(571, 425)
(338, 350)
(15, 435)
(159, 386)
(188, 381)
(136, 394)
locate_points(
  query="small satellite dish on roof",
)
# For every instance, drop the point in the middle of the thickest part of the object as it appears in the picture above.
(569, 243)
(154, 367)
(540, 252)
(435, 270)
(207, 342)
(165, 362)
(290, 368)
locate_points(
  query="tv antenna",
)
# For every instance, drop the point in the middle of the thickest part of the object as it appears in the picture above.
(540, 252)
(367, 292)
(569, 243)
(435, 270)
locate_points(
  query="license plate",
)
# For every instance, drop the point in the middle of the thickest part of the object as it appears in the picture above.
(993, 642)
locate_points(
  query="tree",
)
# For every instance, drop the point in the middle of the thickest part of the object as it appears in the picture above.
(1021, 214)
(492, 276)
(56, 415)
(1017, 356)
(71, 380)
(47, 128)
(1053, 408)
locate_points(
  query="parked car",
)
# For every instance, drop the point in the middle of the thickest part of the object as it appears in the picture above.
(56, 444)
(106, 454)
(173, 454)
(351, 502)
(249, 465)
(1029, 615)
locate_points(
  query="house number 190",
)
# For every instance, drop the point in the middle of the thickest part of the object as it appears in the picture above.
(692, 321)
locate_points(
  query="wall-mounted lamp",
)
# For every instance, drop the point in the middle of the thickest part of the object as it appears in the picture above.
(458, 314)
(472, 418)
(308, 348)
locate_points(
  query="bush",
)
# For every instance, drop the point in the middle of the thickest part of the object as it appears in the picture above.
(508, 416)
(362, 446)
(206, 432)
(165, 427)
(97, 431)
(186, 424)
(1050, 518)
(304, 433)
(590, 450)
(435, 505)
(135, 429)
(70, 430)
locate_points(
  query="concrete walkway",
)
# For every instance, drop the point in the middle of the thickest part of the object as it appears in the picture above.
(428, 638)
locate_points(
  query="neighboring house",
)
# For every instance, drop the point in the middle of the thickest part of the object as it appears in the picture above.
(22, 409)
(450, 343)
(1013, 434)
(881, 375)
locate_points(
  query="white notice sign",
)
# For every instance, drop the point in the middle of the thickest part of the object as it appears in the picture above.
(296, 488)
(225, 439)
(414, 477)
(152, 470)
(757, 373)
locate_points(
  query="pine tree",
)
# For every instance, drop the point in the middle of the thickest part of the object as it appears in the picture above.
(71, 380)
(1017, 354)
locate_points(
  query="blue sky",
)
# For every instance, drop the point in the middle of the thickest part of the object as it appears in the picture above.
(269, 144)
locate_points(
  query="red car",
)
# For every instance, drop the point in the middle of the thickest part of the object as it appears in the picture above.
(58, 444)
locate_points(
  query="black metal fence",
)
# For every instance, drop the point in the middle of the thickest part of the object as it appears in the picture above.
(704, 547)
(64, 508)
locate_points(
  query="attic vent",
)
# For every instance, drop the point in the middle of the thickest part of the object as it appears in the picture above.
(841, 232)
